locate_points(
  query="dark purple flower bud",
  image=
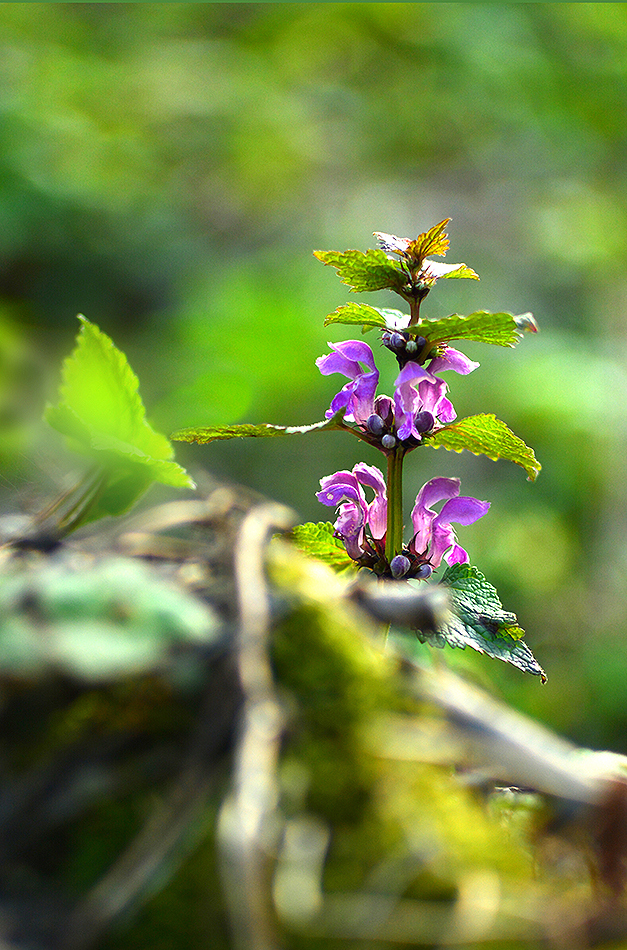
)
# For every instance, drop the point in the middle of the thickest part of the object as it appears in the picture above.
(423, 572)
(424, 421)
(393, 340)
(388, 441)
(399, 565)
(375, 424)
(398, 341)
(384, 407)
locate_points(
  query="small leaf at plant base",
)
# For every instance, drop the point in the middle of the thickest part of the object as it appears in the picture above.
(500, 329)
(205, 434)
(486, 435)
(477, 620)
(371, 270)
(319, 541)
(101, 412)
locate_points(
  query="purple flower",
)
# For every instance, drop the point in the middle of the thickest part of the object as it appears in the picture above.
(357, 396)
(419, 399)
(451, 358)
(360, 524)
(429, 396)
(434, 538)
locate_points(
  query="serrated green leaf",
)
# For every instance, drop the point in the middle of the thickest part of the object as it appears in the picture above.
(433, 241)
(360, 314)
(205, 434)
(477, 620)
(364, 271)
(101, 412)
(458, 270)
(500, 329)
(319, 541)
(486, 435)
(357, 314)
(415, 253)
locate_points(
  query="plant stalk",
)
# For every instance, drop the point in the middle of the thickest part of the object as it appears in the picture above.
(394, 536)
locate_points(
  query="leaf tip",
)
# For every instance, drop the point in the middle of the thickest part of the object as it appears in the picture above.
(526, 323)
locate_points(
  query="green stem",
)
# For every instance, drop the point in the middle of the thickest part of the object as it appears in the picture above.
(414, 310)
(394, 536)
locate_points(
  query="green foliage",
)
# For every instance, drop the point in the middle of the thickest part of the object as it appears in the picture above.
(433, 241)
(102, 416)
(477, 620)
(372, 270)
(205, 434)
(459, 270)
(414, 252)
(484, 434)
(501, 329)
(359, 314)
(101, 412)
(319, 541)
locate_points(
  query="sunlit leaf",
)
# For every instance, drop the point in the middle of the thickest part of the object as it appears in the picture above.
(101, 412)
(371, 270)
(501, 329)
(486, 435)
(443, 271)
(433, 241)
(358, 314)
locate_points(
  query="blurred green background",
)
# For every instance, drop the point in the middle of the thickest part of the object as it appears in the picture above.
(167, 170)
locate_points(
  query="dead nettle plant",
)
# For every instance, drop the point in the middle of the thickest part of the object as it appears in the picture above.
(369, 531)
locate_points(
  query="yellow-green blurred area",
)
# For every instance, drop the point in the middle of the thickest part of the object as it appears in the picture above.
(168, 169)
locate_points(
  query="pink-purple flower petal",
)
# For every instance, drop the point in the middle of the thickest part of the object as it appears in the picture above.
(357, 396)
(451, 358)
(345, 491)
(463, 510)
(433, 534)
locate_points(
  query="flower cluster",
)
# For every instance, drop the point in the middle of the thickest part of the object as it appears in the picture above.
(362, 525)
(419, 405)
(369, 521)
